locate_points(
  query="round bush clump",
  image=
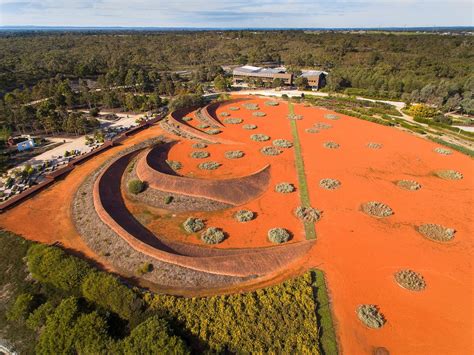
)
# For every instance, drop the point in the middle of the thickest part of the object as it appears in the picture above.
(244, 215)
(259, 114)
(199, 145)
(370, 316)
(199, 154)
(331, 145)
(443, 151)
(136, 186)
(187, 119)
(272, 103)
(203, 126)
(284, 187)
(436, 232)
(377, 209)
(234, 154)
(213, 131)
(233, 120)
(329, 184)
(209, 165)
(373, 145)
(270, 150)
(175, 165)
(410, 280)
(250, 106)
(259, 137)
(213, 235)
(278, 235)
(331, 116)
(449, 174)
(293, 116)
(322, 125)
(408, 185)
(234, 108)
(193, 224)
(282, 143)
(308, 214)
(224, 114)
(249, 126)
(311, 130)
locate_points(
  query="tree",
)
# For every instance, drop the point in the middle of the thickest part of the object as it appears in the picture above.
(277, 83)
(301, 82)
(220, 83)
(22, 307)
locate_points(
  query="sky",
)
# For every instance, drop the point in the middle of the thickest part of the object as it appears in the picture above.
(238, 13)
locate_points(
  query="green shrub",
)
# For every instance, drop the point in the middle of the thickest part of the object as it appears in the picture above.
(234, 108)
(284, 187)
(213, 235)
(168, 199)
(199, 145)
(259, 137)
(270, 150)
(136, 186)
(244, 215)
(234, 154)
(213, 131)
(272, 103)
(250, 106)
(145, 268)
(203, 126)
(187, 119)
(370, 316)
(175, 165)
(293, 116)
(209, 165)
(193, 224)
(282, 143)
(308, 214)
(224, 114)
(249, 126)
(278, 235)
(199, 154)
(259, 114)
(38, 317)
(21, 308)
(233, 120)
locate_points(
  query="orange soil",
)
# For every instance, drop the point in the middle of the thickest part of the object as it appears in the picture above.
(358, 253)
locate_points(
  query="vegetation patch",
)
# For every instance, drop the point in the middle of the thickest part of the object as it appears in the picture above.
(285, 187)
(449, 174)
(203, 126)
(278, 235)
(408, 185)
(209, 165)
(270, 150)
(331, 116)
(199, 145)
(249, 127)
(213, 131)
(136, 186)
(145, 268)
(373, 145)
(311, 130)
(224, 114)
(213, 235)
(175, 165)
(377, 209)
(233, 120)
(272, 103)
(308, 214)
(250, 106)
(331, 145)
(295, 117)
(436, 232)
(329, 184)
(259, 114)
(282, 143)
(370, 315)
(234, 108)
(410, 280)
(199, 154)
(187, 119)
(244, 215)
(443, 151)
(193, 224)
(259, 137)
(322, 125)
(234, 154)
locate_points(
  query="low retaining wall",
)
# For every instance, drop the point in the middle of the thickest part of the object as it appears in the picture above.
(235, 191)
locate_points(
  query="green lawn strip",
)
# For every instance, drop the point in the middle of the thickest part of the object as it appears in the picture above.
(456, 147)
(327, 335)
(310, 231)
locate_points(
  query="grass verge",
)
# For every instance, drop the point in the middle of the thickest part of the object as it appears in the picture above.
(310, 231)
(456, 147)
(326, 334)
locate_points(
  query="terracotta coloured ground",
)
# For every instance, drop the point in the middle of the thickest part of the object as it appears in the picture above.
(358, 253)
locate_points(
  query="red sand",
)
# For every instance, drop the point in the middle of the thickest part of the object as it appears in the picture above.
(359, 253)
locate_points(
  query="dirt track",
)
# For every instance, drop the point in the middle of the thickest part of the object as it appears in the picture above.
(360, 254)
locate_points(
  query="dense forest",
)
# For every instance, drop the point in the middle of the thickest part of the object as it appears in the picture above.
(427, 68)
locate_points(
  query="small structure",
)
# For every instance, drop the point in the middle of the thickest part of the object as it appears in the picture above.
(242, 74)
(316, 78)
(24, 142)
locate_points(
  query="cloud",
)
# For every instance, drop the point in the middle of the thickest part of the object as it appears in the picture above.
(237, 13)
